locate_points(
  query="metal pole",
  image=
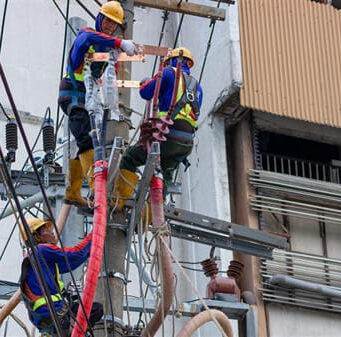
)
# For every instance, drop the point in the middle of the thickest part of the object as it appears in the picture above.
(115, 246)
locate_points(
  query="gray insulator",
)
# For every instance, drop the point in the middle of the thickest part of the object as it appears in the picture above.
(48, 135)
(11, 135)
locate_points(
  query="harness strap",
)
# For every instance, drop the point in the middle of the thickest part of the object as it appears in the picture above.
(189, 96)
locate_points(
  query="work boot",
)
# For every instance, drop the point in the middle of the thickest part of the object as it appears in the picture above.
(73, 195)
(87, 161)
(123, 189)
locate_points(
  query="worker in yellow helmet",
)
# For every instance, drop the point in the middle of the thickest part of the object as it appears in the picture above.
(179, 141)
(72, 91)
(52, 261)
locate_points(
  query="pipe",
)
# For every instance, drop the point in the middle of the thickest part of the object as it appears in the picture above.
(10, 305)
(290, 282)
(51, 192)
(158, 219)
(204, 317)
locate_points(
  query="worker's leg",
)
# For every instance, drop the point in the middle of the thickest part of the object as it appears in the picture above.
(96, 312)
(80, 128)
(172, 153)
(133, 157)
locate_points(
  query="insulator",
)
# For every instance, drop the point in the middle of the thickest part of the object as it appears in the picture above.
(12, 135)
(48, 135)
(235, 269)
(210, 267)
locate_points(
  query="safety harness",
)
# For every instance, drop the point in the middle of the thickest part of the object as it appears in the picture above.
(32, 301)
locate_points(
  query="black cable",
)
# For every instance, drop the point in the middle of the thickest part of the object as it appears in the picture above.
(213, 22)
(63, 62)
(108, 286)
(3, 24)
(179, 29)
(62, 14)
(35, 261)
(34, 166)
(8, 240)
(4, 112)
(165, 19)
(86, 9)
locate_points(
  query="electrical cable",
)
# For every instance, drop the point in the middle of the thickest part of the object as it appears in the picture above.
(52, 277)
(4, 112)
(86, 9)
(3, 24)
(62, 14)
(62, 65)
(35, 263)
(179, 29)
(213, 22)
(34, 166)
(165, 19)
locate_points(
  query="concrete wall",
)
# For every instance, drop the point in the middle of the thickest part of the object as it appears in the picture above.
(31, 57)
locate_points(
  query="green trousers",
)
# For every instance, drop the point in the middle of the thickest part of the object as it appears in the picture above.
(172, 154)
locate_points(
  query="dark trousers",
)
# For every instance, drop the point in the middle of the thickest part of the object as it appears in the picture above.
(80, 127)
(172, 153)
(65, 318)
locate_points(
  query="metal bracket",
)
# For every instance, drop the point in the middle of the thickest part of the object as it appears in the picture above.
(114, 161)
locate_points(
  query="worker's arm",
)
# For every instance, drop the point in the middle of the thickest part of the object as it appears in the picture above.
(200, 94)
(87, 37)
(76, 255)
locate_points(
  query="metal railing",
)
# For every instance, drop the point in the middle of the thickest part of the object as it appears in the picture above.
(300, 168)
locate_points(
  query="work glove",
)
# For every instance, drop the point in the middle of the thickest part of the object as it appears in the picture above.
(128, 46)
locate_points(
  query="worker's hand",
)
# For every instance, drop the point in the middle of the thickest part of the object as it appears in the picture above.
(129, 47)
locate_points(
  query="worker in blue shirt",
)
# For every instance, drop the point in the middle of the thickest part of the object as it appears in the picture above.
(52, 261)
(179, 141)
(72, 92)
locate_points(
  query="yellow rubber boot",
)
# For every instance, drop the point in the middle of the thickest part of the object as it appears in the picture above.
(87, 161)
(123, 189)
(73, 195)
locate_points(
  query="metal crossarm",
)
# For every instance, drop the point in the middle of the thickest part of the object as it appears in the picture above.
(233, 230)
(200, 228)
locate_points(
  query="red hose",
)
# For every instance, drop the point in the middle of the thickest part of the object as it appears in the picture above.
(97, 244)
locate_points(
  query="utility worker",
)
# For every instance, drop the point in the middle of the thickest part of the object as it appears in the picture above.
(52, 261)
(179, 141)
(72, 91)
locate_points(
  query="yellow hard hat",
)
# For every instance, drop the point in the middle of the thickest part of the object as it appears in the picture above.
(33, 224)
(113, 10)
(185, 53)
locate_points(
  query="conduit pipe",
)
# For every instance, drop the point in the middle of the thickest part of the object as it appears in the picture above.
(290, 282)
(204, 317)
(158, 220)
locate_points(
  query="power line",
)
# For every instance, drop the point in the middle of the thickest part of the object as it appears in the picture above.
(34, 166)
(3, 24)
(62, 14)
(213, 22)
(86, 9)
(165, 19)
(179, 29)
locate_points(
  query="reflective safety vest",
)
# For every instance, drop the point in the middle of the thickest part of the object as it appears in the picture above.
(79, 73)
(187, 102)
(33, 301)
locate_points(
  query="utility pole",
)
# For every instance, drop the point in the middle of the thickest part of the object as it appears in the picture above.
(115, 244)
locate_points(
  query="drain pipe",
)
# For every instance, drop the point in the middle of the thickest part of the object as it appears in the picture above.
(204, 317)
(290, 282)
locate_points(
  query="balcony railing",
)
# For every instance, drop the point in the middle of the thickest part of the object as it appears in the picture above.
(301, 168)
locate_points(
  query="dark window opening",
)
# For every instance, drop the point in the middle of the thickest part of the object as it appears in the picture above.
(299, 157)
